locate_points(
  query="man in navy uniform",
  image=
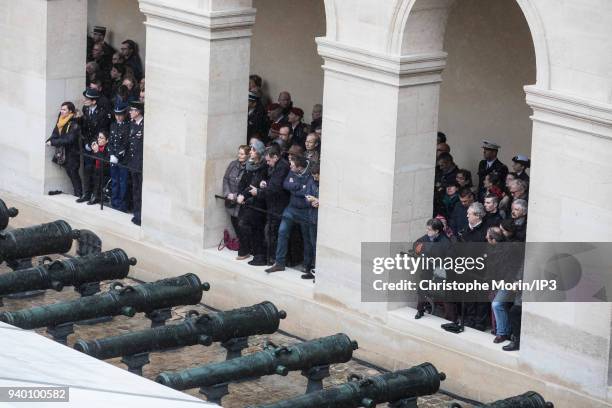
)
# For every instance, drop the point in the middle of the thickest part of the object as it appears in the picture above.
(94, 120)
(490, 164)
(117, 149)
(135, 154)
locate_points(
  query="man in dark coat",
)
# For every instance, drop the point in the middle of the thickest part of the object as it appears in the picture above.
(257, 120)
(99, 33)
(475, 231)
(118, 147)
(434, 243)
(492, 218)
(490, 164)
(129, 51)
(458, 219)
(94, 120)
(276, 197)
(135, 156)
(299, 130)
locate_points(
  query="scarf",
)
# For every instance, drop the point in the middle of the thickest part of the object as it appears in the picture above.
(252, 166)
(61, 122)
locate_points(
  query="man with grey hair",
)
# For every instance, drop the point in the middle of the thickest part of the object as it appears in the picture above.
(475, 231)
(519, 189)
(519, 219)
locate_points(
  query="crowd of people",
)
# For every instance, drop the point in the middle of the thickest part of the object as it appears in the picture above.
(493, 211)
(106, 135)
(272, 189)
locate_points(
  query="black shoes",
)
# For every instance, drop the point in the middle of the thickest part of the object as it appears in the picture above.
(500, 339)
(83, 198)
(307, 275)
(419, 314)
(136, 221)
(275, 268)
(512, 346)
(257, 262)
(93, 200)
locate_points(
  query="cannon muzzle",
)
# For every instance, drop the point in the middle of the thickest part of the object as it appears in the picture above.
(530, 399)
(126, 300)
(420, 380)
(44, 239)
(263, 318)
(113, 264)
(271, 361)
(5, 214)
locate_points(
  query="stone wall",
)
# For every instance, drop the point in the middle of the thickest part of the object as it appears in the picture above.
(284, 52)
(490, 59)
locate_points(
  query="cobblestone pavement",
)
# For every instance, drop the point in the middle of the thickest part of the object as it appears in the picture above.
(264, 390)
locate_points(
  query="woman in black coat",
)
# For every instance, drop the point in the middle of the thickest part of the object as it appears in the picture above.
(66, 135)
(252, 214)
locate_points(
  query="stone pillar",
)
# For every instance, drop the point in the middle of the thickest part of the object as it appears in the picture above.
(380, 122)
(569, 201)
(42, 64)
(197, 69)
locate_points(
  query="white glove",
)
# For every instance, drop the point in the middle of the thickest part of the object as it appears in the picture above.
(87, 148)
(114, 159)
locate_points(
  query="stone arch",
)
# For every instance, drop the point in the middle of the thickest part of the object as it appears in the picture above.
(410, 32)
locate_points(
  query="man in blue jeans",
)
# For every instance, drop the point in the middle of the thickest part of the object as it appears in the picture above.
(298, 211)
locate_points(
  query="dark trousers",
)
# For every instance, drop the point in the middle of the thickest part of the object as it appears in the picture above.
(251, 234)
(236, 224)
(273, 225)
(515, 320)
(72, 169)
(100, 179)
(119, 177)
(137, 194)
(89, 171)
(477, 315)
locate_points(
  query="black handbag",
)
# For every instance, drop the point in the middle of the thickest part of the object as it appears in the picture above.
(59, 157)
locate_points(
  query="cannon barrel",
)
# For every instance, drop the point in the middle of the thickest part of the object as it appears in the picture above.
(420, 380)
(272, 360)
(263, 318)
(182, 290)
(530, 399)
(5, 214)
(44, 239)
(113, 264)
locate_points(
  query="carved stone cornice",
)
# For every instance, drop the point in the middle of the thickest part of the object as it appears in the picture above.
(396, 70)
(570, 112)
(209, 25)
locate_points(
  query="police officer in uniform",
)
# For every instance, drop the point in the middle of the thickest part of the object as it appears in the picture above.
(135, 154)
(489, 164)
(94, 119)
(117, 149)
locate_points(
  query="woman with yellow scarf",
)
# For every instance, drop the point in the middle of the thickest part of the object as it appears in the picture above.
(66, 135)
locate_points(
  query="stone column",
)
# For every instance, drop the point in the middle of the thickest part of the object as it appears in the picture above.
(380, 126)
(197, 69)
(42, 64)
(569, 201)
